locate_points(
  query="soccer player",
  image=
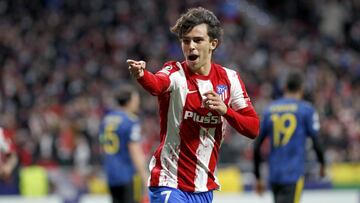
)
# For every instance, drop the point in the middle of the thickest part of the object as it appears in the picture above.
(119, 136)
(288, 121)
(196, 99)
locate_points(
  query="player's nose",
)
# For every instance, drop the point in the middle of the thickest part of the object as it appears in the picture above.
(192, 45)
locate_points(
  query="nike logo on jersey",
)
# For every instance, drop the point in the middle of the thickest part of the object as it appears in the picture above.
(192, 91)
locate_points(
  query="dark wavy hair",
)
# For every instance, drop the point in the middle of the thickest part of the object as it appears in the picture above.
(197, 16)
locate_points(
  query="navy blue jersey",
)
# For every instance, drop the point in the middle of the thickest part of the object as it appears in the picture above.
(288, 122)
(117, 130)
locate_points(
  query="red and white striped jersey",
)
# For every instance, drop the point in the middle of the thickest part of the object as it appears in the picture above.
(190, 134)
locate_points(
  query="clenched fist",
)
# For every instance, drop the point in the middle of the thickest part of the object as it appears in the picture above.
(136, 68)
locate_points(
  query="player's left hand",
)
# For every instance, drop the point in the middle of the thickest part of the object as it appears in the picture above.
(214, 102)
(5, 171)
(259, 187)
(322, 171)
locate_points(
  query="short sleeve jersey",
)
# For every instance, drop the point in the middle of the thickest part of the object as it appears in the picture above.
(117, 130)
(287, 122)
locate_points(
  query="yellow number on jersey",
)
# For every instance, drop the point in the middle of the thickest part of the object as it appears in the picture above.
(285, 125)
(111, 140)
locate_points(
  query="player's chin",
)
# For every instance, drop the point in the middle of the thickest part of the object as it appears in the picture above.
(188, 61)
(193, 65)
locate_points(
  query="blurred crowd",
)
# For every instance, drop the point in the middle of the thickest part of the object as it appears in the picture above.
(60, 59)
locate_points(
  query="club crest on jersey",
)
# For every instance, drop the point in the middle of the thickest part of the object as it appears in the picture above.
(222, 91)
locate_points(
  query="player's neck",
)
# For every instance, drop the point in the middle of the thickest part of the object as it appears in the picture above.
(126, 109)
(204, 70)
(293, 95)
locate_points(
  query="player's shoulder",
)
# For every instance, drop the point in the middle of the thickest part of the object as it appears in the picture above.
(228, 70)
(118, 117)
(171, 67)
(278, 105)
(271, 105)
(133, 118)
(276, 102)
(307, 106)
(115, 116)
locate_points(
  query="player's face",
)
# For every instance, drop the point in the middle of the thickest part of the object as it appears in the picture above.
(197, 48)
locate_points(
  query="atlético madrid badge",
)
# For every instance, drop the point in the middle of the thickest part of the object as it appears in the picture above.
(222, 91)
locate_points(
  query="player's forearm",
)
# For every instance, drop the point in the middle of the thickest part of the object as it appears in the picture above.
(138, 159)
(318, 150)
(257, 166)
(10, 164)
(152, 83)
(13, 160)
(244, 121)
(257, 156)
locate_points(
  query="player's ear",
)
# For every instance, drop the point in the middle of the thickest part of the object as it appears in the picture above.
(213, 44)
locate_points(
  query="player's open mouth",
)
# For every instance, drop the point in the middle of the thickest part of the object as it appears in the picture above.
(193, 57)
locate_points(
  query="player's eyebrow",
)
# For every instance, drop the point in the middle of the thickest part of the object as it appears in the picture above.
(194, 39)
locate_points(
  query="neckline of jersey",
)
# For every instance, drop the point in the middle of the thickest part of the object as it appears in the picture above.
(197, 76)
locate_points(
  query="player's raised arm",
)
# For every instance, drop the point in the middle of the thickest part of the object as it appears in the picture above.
(153, 83)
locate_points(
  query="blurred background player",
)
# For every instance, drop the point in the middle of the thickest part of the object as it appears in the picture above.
(120, 136)
(288, 121)
(8, 159)
(197, 98)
